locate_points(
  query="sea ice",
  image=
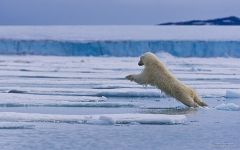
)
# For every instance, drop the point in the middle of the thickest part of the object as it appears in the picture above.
(94, 119)
(143, 119)
(228, 107)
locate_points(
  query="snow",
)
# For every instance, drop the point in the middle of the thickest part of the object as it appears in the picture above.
(228, 107)
(116, 33)
(232, 94)
(95, 119)
(197, 41)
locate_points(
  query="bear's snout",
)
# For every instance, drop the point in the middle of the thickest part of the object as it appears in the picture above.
(140, 63)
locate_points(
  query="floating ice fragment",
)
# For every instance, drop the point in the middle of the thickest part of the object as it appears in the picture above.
(143, 119)
(228, 107)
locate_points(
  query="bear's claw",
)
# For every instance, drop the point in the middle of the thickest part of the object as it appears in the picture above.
(130, 77)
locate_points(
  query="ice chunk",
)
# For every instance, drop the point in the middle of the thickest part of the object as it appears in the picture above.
(94, 119)
(143, 119)
(232, 94)
(228, 107)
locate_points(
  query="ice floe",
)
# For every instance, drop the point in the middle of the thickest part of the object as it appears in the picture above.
(94, 119)
(143, 119)
(228, 107)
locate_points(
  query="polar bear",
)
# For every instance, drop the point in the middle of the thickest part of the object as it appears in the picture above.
(156, 74)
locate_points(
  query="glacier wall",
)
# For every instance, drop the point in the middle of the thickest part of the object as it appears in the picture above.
(119, 48)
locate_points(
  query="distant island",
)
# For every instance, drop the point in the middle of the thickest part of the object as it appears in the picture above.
(232, 20)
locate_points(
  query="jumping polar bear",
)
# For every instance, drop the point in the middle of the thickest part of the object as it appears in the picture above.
(156, 74)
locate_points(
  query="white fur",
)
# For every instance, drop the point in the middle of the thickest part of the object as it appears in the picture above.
(156, 74)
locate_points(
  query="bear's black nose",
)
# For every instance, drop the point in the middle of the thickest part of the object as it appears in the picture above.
(140, 63)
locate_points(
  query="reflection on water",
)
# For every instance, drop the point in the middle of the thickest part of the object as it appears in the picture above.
(169, 110)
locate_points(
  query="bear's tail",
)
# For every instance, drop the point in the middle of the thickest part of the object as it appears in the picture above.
(199, 101)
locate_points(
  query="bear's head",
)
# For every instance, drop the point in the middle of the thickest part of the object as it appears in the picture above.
(147, 58)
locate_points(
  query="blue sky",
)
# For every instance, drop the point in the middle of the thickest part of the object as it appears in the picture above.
(111, 12)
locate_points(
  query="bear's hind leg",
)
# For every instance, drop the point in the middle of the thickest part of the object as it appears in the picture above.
(199, 101)
(188, 101)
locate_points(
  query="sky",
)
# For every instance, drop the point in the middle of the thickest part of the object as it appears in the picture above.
(112, 12)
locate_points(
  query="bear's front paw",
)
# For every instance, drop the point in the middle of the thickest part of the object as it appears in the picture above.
(130, 77)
